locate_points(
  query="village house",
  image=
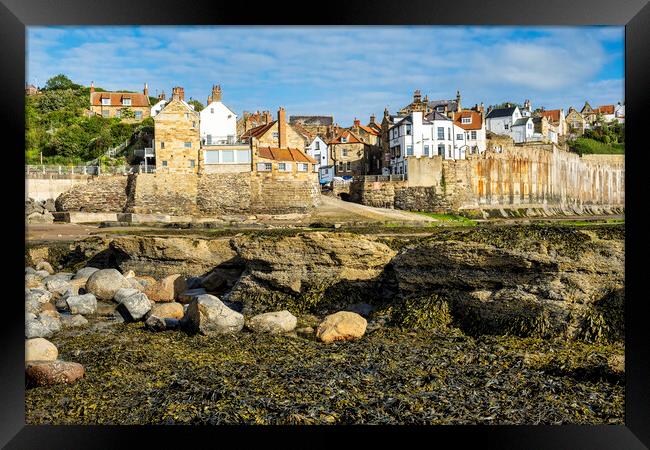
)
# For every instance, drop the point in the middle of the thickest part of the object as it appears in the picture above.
(176, 136)
(543, 130)
(365, 133)
(30, 89)
(556, 119)
(522, 130)
(374, 125)
(428, 106)
(619, 112)
(317, 149)
(218, 122)
(418, 136)
(576, 124)
(500, 120)
(116, 104)
(469, 128)
(312, 125)
(160, 104)
(269, 134)
(249, 121)
(347, 152)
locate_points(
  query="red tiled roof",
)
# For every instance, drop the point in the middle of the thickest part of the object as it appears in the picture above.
(258, 131)
(284, 154)
(375, 127)
(552, 114)
(137, 99)
(606, 109)
(350, 136)
(369, 130)
(475, 124)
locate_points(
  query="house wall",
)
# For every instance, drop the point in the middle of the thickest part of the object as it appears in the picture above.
(218, 121)
(355, 157)
(175, 125)
(112, 111)
(294, 139)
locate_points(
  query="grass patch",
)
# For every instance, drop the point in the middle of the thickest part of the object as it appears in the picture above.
(448, 218)
(586, 146)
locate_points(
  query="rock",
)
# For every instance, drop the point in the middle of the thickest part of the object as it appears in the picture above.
(107, 309)
(42, 273)
(29, 270)
(167, 289)
(39, 349)
(135, 284)
(84, 273)
(155, 323)
(38, 295)
(146, 280)
(105, 283)
(134, 307)
(341, 326)
(47, 373)
(305, 331)
(63, 276)
(171, 310)
(193, 282)
(35, 328)
(44, 265)
(123, 293)
(50, 320)
(32, 280)
(29, 316)
(129, 274)
(72, 321)
(49, 205)
(213, 281)
(37, 217)
(273, 322)
(82, 304)
(206, 314)
(363, 309)
(48, 307)
(187, 296)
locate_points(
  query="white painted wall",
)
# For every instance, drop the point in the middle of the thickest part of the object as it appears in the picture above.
(219, 123)
(317, 149)
(155, 109)
(498, 124)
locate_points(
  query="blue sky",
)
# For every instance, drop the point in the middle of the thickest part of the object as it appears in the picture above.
(343, 71)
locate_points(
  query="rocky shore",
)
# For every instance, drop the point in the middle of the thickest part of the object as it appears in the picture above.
(329, 327)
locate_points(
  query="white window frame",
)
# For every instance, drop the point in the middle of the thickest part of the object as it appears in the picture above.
(138, 114)
(285, 167)
(264, 166)
(303, 167)
(126, 102)
(409, 150)
(106, 101)
(441, 133)
(473, 135)
(344, 152)
(466, 120)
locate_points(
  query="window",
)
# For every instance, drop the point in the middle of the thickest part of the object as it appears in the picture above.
(317, 156)
(208, 139)
(126, 102)
(187, 144)
(284, 167)
(348, 166)
(302, 167)
(506, 126)
(441, 149)
(211, 157)
(441, 133)
(106, 101)
(344, 139)
(344, 152)
(243, 156)
(263, 167)
(466, 120)
(162, 144)
(340, 167)
(317, 146)
(530, 126)
(407, 129)
(187, 115)
(138, 115)
(409, 150)
(106, 113)
(164, 163)
(315, 169)
(192, 163)
(193, 124)
(227, 156)
(449, 134)
(426, 150)
(459, 136)
(473, 135)
(276, 135)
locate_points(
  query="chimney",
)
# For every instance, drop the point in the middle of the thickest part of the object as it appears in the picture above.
(282, 128)
(161, 96)
(458, 108)
(178, 93)
(357, 123)
(417, 96)
(145, 91)
(267, 117)
(216, 93)
(92, 87)
(373, 119)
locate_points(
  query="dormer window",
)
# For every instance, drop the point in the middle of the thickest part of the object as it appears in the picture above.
(106, 101)
(344, 139)
(126, 101)
(466, 120)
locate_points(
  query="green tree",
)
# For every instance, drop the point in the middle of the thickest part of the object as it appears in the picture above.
(60, 81)
(127, 113)
(198, 106)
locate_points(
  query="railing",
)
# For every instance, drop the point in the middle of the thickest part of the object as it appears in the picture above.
(88, 170)
(394, 177)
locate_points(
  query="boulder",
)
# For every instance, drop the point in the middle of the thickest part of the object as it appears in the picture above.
(206, 314)
(33, 306)
(123, 293)
(105, 283)
(49, 205)
(72, 321)
(38, 295)
(39, 349)
(134, 307)
(32, 280)
(84, 273)
(42, 273)
(47, 373)
(135, 284)
(29, 270)
(167, 289)
(34, 328)
(213, 281)
(59, 287)
(187, 296)
(155, 323)
(129, 274)
(81, 304)
(170, 310)
(50, 320)
(146, 280)
(273, 322)
(341, 326)
(37, 217)
(44, 265)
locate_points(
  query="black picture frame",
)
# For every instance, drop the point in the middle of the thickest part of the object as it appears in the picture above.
(15, 15)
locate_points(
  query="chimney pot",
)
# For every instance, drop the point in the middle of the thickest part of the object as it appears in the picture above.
(282, 128)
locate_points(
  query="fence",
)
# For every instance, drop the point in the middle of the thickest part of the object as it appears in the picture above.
(87, 170)
(369, 178)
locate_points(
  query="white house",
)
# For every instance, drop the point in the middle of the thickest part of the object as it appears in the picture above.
(317, 149)
(500, 120)
(218, 122)
(619, 112)
(415, 136)
(469, 131)
(523, 130)
(155, 109)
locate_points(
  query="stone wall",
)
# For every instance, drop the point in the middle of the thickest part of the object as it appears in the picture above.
(49, 186)
(272, 194)
(106, 193)
(164, 193)
(532, 177)
(228, 193)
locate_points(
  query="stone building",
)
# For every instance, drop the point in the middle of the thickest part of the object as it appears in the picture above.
(269, 134)
(176, 136)
(427, 106)
(252, 120)
(348, 153)
(556, 118)
(312, 125)
(116, 104)
(367, 134)
(30, 89)
(576, 124)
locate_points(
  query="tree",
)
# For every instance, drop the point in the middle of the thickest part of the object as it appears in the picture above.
(198, 106)
(127, 113)
(60, 81)
(505, 105)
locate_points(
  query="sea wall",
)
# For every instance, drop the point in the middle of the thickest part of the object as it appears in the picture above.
(46, 186)
(104, 193)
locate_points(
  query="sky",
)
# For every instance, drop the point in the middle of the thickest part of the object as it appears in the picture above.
(345, 71)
